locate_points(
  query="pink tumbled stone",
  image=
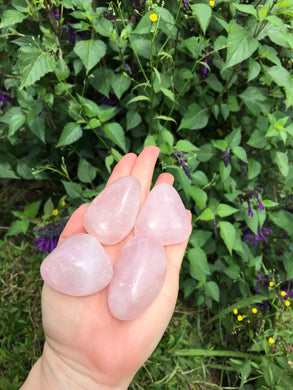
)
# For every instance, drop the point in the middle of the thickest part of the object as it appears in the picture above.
(78, 266)
(139, 275)
(163, 216)
(111, 215)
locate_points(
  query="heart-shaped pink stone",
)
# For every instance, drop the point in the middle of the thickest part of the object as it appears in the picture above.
(163, 216)
(111, 215)
(78, 266)
(139, 275)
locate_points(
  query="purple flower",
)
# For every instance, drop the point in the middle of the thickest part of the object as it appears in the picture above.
(205, 69)
(250, 212)
(215, 228)
(4, 99)
(260, 205)
(108, 101)
(128, 68)
(181, 160)
(56, 16)
(226, 157)
(186, 5)
(260, 236)
(283, 106)
(49, 237)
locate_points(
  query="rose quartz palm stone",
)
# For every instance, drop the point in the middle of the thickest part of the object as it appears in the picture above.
(163, 216)
(112, 214)
(138, 277)
(78, 266)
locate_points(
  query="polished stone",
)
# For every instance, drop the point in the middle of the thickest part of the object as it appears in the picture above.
(78, 266)
(139, 275)
(112, 214)
(163, 216)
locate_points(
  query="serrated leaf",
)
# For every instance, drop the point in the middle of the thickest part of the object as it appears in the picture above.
(73, 190)
(90, 52)
(32, 209)
(283, 219)
(198, 264)
(34, 64)
(120, 83)
(133, 119)
(17, 227)
(194, 118)
(213, 291)
(11, 17)
(254, 69)
(279, 75)
(224, 210)
(186, 146)
(228, 234)
(240, 46)
(246, 8)
(86, 172)
(15, 123)
(70, 134)
(116, 134)
(198, 195)
(203, 13)
(283, 163)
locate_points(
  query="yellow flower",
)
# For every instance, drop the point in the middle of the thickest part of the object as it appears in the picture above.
(154, 17)
(254, 310)
(240, 318)
(248, 321)
(283, 293)
(55, 212)
(271, 340)
(287, 303)
(272, 284)
(63, 203)
(235, 311)
(212, 3)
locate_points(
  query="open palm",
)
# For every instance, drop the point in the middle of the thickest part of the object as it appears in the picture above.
(82, 333)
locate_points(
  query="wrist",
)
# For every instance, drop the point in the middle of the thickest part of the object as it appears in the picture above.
(52, 372)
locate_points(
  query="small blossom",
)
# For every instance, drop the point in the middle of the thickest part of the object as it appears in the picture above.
(154, 17)
(249, 212)
(287, 303)
(128, 68)
(63, 203)
(283, 106)
(283, 293)
(254, 310)
(55, 212)
(56, 16)
(240, 318)
(271, 340)
(226, 157)
(205, 69)
(260, 205)
(235, 311)
(181, 160)
(185, 5)
(4, 99)
(212, 3)
(49, 237)
(271, 284)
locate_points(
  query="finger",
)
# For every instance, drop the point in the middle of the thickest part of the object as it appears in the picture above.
(165, 178)
(143, 169)
(75, 224)
(123, 167)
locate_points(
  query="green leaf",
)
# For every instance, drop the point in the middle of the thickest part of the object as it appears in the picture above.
(116, 134)
(169, 94)
(228, 234)
(15, 123)
(32, 209)
(206, 215)
(194, 118)
(73, 190)
(86, 172)
(34, 64)
(37, 126)
(6, 170)
(254, 168)
(137, 99)
(248, 9)
(62, 69)
(283, 163)
(101, 80)
(48, 207)
(133, 119)
(203, 13)
(198, 264)
(254, 69)
(120, 83)
(70, 134)
(283, 219)
(11, 17)
(213, 291)
(224, 210)
(233, 139)
(90, 52)
(279, 75)
(240, 152)
(198, 195)
(220, 144)
(186, 146)
(20, 226)
(240, 46)
(288, 264)
(199, 237)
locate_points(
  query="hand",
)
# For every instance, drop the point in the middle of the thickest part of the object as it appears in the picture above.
(86, 347)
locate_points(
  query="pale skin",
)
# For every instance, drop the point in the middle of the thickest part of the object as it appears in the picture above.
(86, 348)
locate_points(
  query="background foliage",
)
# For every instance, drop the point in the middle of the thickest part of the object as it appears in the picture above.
(210, 83)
